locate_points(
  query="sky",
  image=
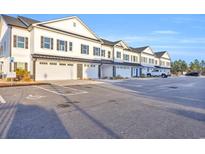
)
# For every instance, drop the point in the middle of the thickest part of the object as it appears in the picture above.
(183, 36)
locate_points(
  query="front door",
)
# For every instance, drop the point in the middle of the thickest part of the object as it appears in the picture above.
(136, 72)
(80, 71)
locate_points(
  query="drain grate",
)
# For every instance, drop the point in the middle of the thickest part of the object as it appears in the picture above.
(63, 105)
(173, 87)
(112, 101)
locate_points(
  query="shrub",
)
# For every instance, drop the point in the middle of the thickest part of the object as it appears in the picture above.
(142, 76)
(22, 75)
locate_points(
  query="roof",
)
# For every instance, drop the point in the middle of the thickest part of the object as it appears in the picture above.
(13, 21)
(111, 43)
(27, 21)
(20, 21)
(160, 54)
(140, 49)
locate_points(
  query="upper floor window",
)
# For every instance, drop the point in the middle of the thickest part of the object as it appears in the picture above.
(118, 54)
(134, 58)
(109, 54)
(168, 63)
(61, 45)
(96, 51)
(144, 59)
(70, 46)
(74, 24)
(46, 42)
(155, 62)
(126, 57)
(103, 53)
(84, 49)
(20, 42)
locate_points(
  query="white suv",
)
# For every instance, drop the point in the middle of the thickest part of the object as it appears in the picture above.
(157, 72)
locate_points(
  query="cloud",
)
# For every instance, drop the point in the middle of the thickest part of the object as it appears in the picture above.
(165, 32)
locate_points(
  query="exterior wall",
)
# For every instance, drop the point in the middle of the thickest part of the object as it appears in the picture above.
(118, 49)
(5, 38)
(107, 48)
(163, 62)
(68, 25)
(21, 54)
(76, 44)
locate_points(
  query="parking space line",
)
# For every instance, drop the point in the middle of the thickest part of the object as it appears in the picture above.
(2, 100)
(62, 94)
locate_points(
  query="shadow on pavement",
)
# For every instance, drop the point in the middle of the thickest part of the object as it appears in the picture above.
(90, 117)
(34, 122)
(189, 114)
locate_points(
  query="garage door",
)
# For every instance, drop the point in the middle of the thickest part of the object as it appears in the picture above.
(54, 71)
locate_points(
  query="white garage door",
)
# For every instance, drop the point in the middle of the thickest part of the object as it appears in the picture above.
(54, 71)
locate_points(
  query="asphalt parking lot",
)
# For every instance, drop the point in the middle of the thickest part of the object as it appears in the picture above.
(155, 108)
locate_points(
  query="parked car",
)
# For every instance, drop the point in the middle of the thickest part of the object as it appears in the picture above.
(192, 74)
(157, 73)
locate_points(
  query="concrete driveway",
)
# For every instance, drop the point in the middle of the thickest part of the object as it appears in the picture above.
(158, 108)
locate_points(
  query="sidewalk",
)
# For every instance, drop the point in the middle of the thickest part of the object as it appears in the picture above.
(13, 84)
(74, 82)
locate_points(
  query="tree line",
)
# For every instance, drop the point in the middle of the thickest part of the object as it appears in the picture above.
(180, 66)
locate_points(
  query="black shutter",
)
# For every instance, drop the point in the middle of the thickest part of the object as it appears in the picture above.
(51, 43)
(81, 48)
(15, 41)
(42, 42)
(88, 50)
(66, 46)
(26, 42)
(58, 42)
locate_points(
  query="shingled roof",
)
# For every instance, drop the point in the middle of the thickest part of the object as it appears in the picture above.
(111, 43)
(20, 21)
(159, 54)
(27, 21)
(140, 49)
(13, 21)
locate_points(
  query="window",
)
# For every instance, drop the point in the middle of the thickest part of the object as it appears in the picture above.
(155, 62)
(144, 59)
(52, 63)
(96, 51)
(69, 64)
(43, 63)
(74, 24)
(109, 54)
(126, 57)
(103, 53)
(84, 49)
(118, 54)
(168, 64)
(20, 42)
(61, 45)
(134, 58)
(62, 64)
(46, 42)
(150, 60)
(70, 46)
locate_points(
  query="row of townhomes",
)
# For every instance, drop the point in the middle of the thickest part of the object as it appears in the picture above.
(66, 48)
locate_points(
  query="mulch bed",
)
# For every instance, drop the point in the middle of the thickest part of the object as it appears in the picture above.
(15, 84)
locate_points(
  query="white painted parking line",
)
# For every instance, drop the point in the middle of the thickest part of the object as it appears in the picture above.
(62, 94)
(2, 100)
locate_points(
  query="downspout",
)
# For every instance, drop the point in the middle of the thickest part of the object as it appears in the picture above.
(10, 52)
